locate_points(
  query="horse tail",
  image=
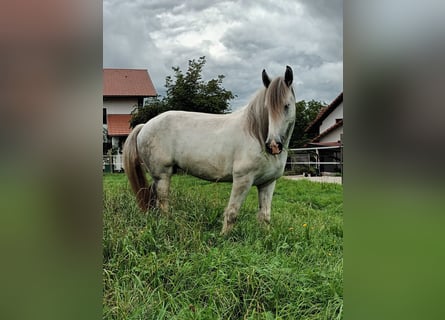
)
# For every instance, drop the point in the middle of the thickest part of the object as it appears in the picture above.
(135, 172)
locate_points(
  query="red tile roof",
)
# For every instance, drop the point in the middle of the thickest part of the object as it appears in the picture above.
(127, 82)
(119, 124)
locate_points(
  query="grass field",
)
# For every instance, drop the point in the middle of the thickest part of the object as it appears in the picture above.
(179, 267)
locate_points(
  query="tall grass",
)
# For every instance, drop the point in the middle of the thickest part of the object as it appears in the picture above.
(177, 266)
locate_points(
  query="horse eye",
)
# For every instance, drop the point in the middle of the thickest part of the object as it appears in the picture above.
(286, 107)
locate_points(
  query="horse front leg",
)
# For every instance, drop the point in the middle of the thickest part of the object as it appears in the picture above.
(265, 193)
(240, 189)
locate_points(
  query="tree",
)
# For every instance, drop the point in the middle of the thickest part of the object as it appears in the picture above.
(187, 92)
(306, 113)
(142, 114)
(190, 93)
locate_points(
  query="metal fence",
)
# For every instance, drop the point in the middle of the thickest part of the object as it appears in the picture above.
(112, 163)
(308, 161)
(315, 161)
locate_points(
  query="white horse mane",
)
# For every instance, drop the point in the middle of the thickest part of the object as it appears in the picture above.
(257, 120)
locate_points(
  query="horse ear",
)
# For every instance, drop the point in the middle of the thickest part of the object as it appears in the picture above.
(266, 79)
(288, 76)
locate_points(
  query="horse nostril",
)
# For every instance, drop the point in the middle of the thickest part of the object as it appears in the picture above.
(274, 147)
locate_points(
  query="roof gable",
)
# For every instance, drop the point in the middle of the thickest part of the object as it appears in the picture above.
(127, 82)
(323, 114)
(327, 131)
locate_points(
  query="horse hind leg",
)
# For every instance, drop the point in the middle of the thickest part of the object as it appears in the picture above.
(240, 189)
(162, 192)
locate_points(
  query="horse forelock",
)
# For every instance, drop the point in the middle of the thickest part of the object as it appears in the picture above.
(276, 97)
(267, 100)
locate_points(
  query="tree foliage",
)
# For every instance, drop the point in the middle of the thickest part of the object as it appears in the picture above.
(306, 113)
(142, 114)
(189, 92)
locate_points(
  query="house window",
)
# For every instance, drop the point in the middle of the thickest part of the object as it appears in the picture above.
(104, 112)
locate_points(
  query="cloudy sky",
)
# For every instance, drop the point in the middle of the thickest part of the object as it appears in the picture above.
(238, 38)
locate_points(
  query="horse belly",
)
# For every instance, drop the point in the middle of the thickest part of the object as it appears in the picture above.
(205, 165)
(210, 158)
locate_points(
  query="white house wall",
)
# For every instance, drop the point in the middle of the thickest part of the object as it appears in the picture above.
(333, 136)
(330, 120)
(120, 105)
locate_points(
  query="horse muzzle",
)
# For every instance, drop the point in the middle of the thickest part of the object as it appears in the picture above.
(274, 147)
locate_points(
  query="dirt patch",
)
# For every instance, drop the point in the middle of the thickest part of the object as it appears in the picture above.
(327, 179)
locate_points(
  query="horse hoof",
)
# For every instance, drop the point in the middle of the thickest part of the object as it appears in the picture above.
(226, 230)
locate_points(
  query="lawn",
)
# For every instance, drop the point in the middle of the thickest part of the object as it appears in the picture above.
(177, 266)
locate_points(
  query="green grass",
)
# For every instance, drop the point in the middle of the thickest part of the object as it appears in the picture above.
(177, 266)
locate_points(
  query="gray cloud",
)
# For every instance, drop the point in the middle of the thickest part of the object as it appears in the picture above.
(238, 38)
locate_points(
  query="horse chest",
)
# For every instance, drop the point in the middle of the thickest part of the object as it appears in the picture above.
(271, 168)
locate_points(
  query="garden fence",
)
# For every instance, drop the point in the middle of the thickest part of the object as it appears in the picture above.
(307, 161)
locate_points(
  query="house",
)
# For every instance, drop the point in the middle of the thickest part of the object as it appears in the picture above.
(327, 130)
(123, 90)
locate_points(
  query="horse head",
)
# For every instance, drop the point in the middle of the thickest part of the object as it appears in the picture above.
(280, 104)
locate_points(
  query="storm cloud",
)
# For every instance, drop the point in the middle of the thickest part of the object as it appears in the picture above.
(238, 38)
